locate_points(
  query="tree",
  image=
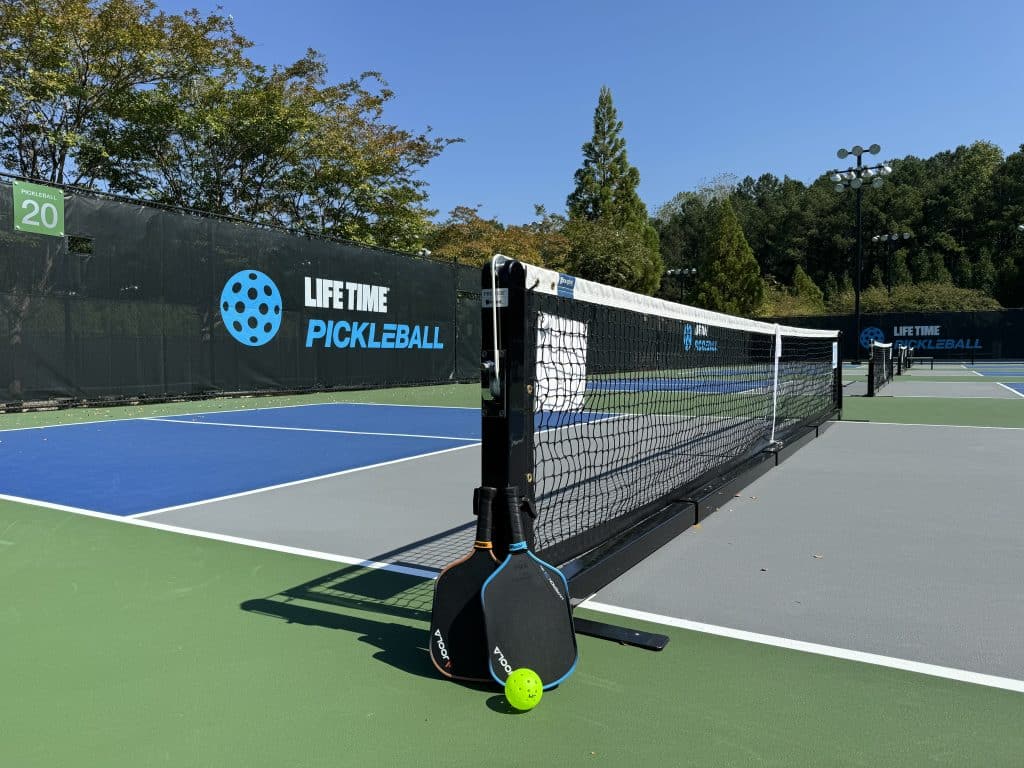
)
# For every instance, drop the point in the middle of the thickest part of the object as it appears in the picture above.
(606, 183)
(984, 273)
(469, 239)
(72, 70)
(619, 256)
(117, 95)
(604, 208)
(805, 289)
(900, 270)
(730, 279)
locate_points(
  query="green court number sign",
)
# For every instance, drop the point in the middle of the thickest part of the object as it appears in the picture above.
(38, 209)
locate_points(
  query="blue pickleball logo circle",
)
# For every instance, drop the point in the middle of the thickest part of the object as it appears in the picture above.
(869, 334)
(251, 307)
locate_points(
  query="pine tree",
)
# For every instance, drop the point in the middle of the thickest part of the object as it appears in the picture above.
(984, 273)
(807, 291)
(606, 183)
(731, 279)
(900, 270)
(877, 278)
(605, 208)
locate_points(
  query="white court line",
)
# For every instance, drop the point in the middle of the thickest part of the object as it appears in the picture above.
(875, 659)
(394, 567)
(292, 483)
(227, 410)
(976, 373)
(1011, 389)
(912, 424)
(795, 645)
(173, 420)
(956, 397)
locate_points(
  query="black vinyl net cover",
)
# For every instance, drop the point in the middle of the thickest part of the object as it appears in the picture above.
(636, 399)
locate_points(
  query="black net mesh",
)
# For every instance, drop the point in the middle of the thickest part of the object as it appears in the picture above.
(631, 408)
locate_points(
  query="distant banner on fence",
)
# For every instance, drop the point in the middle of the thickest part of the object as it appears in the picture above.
(140, 301)
(968, 336)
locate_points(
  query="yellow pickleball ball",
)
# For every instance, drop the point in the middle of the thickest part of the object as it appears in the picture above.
(523, 689)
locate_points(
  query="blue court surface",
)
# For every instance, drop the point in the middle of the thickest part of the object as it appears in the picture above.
(139, 465)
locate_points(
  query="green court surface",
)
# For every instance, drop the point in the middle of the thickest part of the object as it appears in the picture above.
(936, 410)
(127, 646)
(131, 646)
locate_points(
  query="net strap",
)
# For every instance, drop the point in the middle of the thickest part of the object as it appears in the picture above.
(775, 383)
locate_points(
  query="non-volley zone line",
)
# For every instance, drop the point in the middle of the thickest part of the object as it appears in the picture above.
(308, 429)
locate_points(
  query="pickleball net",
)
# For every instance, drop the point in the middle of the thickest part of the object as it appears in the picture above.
(904, 358)
(881, 366)
(612, 405)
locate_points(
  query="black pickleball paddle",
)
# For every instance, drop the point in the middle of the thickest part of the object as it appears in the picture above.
(458, 642)
(527, 611)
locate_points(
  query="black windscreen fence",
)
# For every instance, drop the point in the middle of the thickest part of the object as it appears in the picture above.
(145, 302)
(969, 336)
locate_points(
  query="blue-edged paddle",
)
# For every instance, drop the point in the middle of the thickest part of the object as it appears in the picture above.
(527, 611)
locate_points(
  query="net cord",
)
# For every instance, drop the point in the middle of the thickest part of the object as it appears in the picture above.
(547, 281)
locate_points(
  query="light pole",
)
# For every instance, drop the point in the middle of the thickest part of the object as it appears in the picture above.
(892, 239)
(682, 274)
(854, 178)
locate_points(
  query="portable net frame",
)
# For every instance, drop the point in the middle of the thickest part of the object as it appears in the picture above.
(880, 367)
(904, 358)
(608, 408)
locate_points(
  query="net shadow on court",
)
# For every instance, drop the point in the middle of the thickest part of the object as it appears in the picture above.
(334, 600)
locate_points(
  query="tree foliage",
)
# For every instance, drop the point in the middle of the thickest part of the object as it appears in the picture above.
(962, 206)
(612, 240)
(729, 278)
(469, 239)
(119, 96)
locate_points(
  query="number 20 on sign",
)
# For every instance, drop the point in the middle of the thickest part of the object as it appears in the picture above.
(38, 209)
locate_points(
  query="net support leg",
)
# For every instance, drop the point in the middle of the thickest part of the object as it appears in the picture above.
(649, 641)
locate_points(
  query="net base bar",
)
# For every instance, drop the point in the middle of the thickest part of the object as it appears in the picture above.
(649, 641)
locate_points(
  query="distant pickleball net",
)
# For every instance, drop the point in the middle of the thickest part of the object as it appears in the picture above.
(626, 401)
(881, 366)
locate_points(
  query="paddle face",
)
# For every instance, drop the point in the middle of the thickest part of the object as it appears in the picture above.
(458, 643)
(528, 617)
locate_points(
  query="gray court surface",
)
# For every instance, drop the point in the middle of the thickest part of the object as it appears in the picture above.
(416, 512)
(905, 541)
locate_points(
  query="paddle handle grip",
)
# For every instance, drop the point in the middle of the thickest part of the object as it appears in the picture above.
(483, 504)
(513, 504)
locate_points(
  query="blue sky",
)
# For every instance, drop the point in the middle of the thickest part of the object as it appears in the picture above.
(703, 88)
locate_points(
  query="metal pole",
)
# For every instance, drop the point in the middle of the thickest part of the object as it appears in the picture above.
(860, 258)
